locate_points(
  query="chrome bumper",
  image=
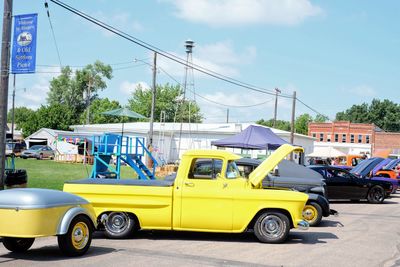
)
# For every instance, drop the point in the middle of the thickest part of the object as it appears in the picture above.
(303, 225)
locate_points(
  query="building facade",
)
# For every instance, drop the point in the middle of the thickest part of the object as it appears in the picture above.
(350, 138)
(355, 138)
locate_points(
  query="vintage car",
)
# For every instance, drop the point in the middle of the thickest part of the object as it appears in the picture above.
(369, 169)
(294, 176)
(345, 185)
(389, 169)
(28, 213)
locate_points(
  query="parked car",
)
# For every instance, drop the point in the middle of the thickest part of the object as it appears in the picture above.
(38, 152)
(343, 184)
(369, 168)
(388, 169)
(291, 175)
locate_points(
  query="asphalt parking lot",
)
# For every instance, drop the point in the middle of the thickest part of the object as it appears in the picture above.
(363, 235)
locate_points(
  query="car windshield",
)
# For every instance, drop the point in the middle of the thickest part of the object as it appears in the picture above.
(232, 170)
(37, 147)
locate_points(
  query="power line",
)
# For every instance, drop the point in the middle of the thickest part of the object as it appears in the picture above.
(212, 101)
(312, 109)
(46, 5)
(164, 53)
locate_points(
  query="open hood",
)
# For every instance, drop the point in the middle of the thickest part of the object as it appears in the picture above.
(270, 163)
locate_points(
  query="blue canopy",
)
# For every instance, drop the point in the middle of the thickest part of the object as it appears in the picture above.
(253, 137)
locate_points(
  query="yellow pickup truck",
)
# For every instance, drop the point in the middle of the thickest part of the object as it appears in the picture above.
(207, 195)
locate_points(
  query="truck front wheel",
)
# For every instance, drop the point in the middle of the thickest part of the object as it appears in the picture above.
(16, 244)
(272, 227)
(119, 225)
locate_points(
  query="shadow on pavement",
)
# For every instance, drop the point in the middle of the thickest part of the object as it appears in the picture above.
(51, 253)
(309, 237)
(192, 236)
(330, 223)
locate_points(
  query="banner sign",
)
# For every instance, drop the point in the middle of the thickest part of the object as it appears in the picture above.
(23, 57)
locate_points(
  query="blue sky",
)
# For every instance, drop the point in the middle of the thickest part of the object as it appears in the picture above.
(332, 53)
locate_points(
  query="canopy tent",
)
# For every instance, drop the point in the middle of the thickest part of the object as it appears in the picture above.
(253, 137)
(326, 152)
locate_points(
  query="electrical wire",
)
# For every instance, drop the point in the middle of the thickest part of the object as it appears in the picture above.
(46, 5)
(164, 53)
(212, 101)
(312, 109)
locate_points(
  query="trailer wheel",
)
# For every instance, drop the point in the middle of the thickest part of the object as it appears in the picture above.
(78, 238)
(16, 244)
(119, 225)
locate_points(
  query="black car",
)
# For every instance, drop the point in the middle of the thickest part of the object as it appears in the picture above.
(342, 184)
(294, 176)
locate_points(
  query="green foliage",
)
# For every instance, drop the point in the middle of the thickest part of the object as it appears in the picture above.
(22, 115)
(320, 118)
(280, 124)
(385, 114)
(97, 107)
(71, 90)
(167, 99)
(301, 123)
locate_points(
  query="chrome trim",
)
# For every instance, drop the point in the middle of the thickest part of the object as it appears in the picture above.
(303, 225)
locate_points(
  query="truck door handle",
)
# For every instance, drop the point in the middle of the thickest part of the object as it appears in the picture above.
(189, 184)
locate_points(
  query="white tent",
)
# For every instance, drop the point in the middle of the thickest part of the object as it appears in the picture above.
(326, 152)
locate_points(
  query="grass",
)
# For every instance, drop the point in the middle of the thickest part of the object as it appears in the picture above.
(51, 174)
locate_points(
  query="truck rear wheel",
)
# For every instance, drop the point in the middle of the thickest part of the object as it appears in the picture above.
(312, 213)
(16, 244)
(272, 227)
(119, 225)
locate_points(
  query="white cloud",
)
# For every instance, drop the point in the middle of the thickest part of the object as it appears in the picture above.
(32, 89)
(361, 90)
(219, 13)
(220, 57)
(245, 106)
(119, 20)
(127, 88)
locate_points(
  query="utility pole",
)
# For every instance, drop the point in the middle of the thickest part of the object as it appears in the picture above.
(227, 115)
(292, 122)
(13, 114)
(153, 100)
(5, 61)
(88, 100)
(189, 44)
(276, 105)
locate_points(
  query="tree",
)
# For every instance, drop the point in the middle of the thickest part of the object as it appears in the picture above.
(320, 118)
(301, 123)
(22, 114)
(385, 114)
(71, 90)
(167, 99)
(97, 107)
(280, 124)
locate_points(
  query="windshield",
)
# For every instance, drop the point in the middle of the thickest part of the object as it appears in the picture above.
(37, 147)
(232, 170)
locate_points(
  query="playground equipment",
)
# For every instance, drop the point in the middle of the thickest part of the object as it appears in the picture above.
(131, 150)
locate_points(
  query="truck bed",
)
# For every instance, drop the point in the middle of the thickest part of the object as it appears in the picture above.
(96, 181)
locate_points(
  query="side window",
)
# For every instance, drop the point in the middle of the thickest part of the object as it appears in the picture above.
(205, 168)
(232, 170)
